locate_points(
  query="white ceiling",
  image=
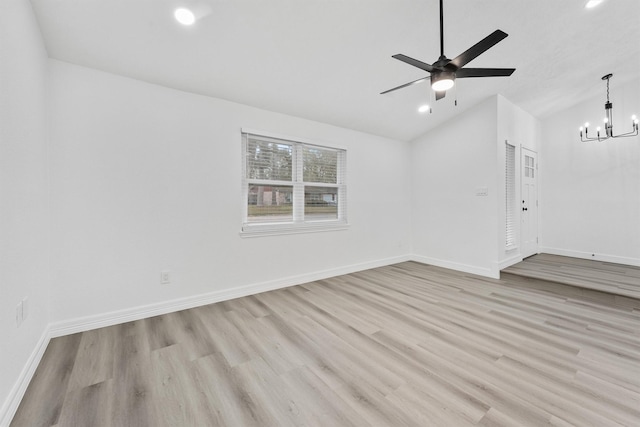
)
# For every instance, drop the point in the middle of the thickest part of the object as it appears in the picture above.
(328, 60)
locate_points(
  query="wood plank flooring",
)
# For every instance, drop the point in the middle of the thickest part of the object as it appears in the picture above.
(403, 345)
(608, 277)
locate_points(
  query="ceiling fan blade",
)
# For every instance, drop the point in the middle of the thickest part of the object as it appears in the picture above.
(406, 84)
(440, 94)
(422, 65)
(478, 48)
(484, 72)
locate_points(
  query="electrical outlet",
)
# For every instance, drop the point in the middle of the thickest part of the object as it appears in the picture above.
(165, 277)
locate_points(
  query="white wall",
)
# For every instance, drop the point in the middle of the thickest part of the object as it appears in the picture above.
(24, 218)
(591, 191)
(146, 179)
(521, 130)
(452, 227)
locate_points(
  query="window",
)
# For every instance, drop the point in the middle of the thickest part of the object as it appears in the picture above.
(529, 166)
(291, 186)
(510, 191)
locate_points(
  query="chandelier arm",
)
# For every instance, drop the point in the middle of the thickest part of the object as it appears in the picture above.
(594, 139)
(587, 138)
(628, 134)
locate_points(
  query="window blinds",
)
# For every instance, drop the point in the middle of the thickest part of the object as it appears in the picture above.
(510, 184)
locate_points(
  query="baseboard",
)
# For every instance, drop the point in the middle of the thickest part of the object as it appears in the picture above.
(10, 406)
(509, 261)
(473, 269)
(11, 403)
(589, 255)
(82, 324)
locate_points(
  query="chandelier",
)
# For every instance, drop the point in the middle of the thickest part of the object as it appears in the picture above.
(608, 123)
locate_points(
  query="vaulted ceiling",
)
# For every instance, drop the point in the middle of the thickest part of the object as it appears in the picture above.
(328, 60)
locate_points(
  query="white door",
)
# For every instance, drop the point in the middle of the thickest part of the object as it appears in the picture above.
(529, 203)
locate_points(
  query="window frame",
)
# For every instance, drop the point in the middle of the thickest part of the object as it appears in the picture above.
(298, 224)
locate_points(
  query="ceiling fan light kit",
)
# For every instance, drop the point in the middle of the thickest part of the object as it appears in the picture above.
(442, 81)
(444, 71)
(608, 122)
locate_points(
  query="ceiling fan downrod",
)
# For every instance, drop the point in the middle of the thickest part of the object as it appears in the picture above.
(441, 31)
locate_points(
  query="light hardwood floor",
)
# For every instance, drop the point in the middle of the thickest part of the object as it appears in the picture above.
(403, 345)
(617, 279)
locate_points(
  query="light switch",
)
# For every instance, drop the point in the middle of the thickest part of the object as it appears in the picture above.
(165, 277)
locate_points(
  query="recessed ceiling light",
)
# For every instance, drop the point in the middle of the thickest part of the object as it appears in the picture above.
(184, 16)
(592, 3)
(423, 108)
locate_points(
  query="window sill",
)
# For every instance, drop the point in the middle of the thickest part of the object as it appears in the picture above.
(260, 230)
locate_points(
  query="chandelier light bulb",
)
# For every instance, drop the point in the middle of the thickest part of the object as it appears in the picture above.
(598, 128)
(634, 118)
(586, 125)
(580, 128)
(423, 108)
(606, 120)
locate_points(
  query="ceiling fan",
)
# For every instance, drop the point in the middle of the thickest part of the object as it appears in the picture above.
(444, 71)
